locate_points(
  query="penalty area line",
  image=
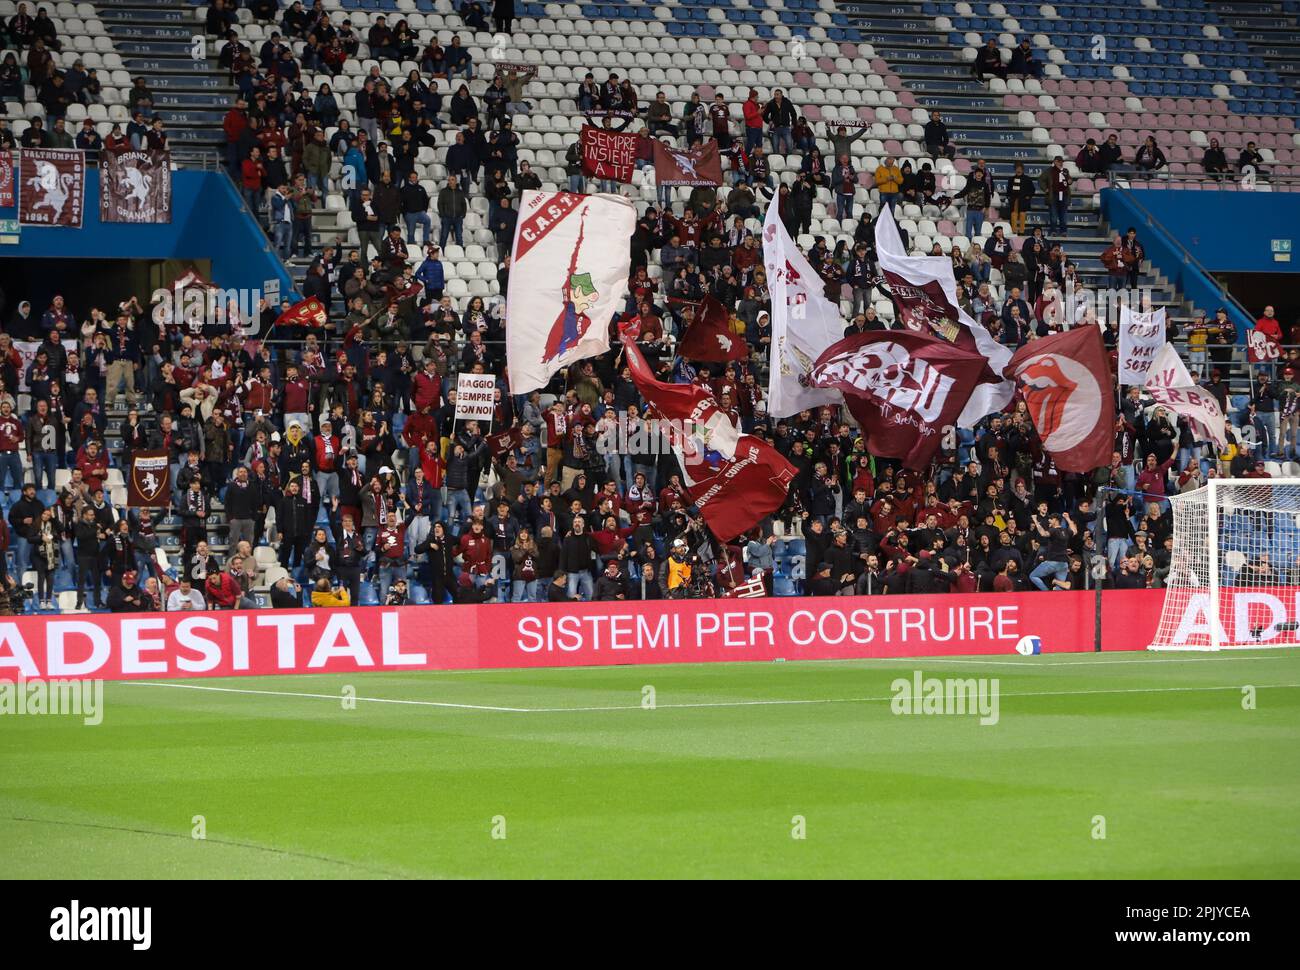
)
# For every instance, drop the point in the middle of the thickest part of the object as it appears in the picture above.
(690, 704)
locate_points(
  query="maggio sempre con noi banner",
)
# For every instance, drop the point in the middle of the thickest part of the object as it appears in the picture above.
(223, 644)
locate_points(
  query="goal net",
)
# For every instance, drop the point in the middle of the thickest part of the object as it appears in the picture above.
(1234, 571)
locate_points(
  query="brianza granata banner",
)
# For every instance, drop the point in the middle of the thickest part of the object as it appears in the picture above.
(224, 644)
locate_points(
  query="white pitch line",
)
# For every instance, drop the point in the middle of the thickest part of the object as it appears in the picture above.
(1027, 663)
(701, 704)
(329, 697)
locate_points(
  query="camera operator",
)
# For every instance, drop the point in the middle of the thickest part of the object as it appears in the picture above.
(678, 571)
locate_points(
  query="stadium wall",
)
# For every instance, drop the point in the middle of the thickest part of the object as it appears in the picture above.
(1225, 231)
(237, 643)
(209, 221)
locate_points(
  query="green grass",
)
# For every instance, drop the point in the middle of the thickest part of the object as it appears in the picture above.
(1189, 783)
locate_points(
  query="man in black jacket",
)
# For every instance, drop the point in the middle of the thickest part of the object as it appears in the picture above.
(125, 597)
(349, 553)
(87, 535)
(611, 585)
(240, 502)
(294, 519)
(925, 578)
(576, 556)
(937, 141)
(453, 203)
(415, 208)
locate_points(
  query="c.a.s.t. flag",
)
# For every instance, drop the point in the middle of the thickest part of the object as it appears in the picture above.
(568, 277)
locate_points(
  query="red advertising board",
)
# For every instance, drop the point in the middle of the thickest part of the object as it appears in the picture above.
(223, 644)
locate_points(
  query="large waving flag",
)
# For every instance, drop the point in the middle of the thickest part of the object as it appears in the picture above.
(804, 322)
(925, 293)
(902, 387)
(710, 338)
(1172, 387)
(568, 276)
(734, 479)
(1065, 381)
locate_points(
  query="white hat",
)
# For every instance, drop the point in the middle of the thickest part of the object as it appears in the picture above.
(385, 470)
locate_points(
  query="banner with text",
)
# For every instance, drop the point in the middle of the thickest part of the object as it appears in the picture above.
(475, 397)
(245, 642)
(51, 187)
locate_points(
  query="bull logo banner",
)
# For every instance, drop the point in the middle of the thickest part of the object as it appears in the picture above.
(1065, 382)
(568, 277)
(149, 485)
(51, 187)
(135, 187)
(903, 388)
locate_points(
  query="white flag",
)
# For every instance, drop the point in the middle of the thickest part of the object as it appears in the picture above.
(804, 322)
(1141, 335)
(925, 294)
(1172, 387)
(568, 277)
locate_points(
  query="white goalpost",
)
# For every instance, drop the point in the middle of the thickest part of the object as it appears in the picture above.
(1234, 571)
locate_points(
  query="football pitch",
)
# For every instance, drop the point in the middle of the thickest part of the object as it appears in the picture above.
(1124, 765)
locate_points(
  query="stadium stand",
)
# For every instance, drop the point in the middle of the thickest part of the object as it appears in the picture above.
(297, 84)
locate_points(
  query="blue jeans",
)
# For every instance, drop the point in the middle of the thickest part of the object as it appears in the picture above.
(1056, 215)
(1116, 549)
(577, 184)
(981, 271)
(461, 507)
(1057, 570)
(387, 576)
(11, 467)
(43, 465)
(843, 206)
(413, 219)
(781, 138)
(282, 236)
(523, 591)
(890, 199)
(451, 227)
(974, 222)
(581, 584)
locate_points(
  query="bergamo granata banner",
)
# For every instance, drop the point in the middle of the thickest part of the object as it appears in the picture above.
(135, 187)
(122, 646)
(51, 187)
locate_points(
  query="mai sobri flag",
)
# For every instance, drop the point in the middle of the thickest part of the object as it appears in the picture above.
(701, 165)
(51, 187)
(902, 387)
(1065, 381)
(149, 484)
(135, 186)
(1172, 387)
(568, 277)
(804, 322)
(608, 154)
(734, 479)
(1141, 335)
(925, 297)
(710, 338)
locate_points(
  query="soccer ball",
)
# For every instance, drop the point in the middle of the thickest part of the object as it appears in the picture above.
(1029, 646)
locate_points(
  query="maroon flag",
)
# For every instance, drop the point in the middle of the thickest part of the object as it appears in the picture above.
(1066, 384)
(609, 154)
(6, 180)
(149, 485)
(1262, 348)
(734, 479)
(701, 165)
(505, 441)
(904, 388)
(52, 187)
(305, 313)
(710, 337)
(135, 186)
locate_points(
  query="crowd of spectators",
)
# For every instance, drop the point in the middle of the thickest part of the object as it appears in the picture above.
(332, 456)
